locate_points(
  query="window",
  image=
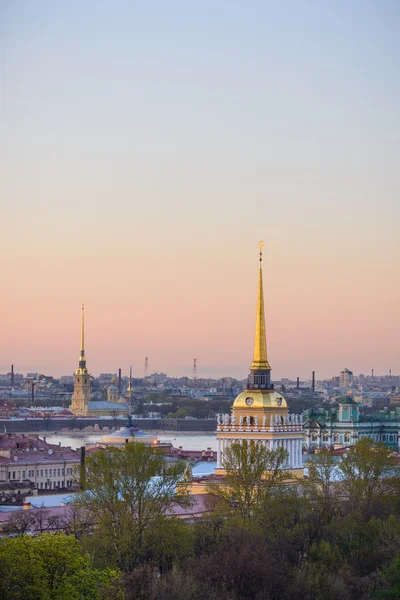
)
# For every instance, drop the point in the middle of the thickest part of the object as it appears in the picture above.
(384, 438)
(63, 472)
(45, 472)
(41, 473)
(23, 474)
(54, 472)
(390, 438)
(58, 472)
(41, 484)
(13, 475)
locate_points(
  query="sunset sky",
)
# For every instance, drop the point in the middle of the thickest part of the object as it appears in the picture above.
(146, 148)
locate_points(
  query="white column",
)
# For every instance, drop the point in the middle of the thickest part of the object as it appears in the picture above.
(218, 454)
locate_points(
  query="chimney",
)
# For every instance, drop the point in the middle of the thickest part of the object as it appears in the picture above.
(33, 393)
(82, 478)
(298, 383)
(26, 505)
(313, 381)
(12, 376)
(119, 381)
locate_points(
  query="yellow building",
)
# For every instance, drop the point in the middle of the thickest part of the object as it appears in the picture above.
(81, 405)
(260, 414)
(81, 396)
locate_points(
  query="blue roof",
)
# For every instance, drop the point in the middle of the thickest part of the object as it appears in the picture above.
(104, 405)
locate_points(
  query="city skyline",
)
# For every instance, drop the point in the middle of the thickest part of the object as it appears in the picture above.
(146, 149)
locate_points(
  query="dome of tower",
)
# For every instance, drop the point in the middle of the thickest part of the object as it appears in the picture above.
(260, 399)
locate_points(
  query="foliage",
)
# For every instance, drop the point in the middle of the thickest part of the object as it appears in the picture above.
(267, 539)
(129, 492)
(369, 472)
(50, 566)
(251, 472)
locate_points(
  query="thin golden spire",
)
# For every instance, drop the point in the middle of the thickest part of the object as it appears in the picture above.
(83, 331)
(260, 361)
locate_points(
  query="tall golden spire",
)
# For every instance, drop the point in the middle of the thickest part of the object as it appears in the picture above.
(83, 332)
(260, 361)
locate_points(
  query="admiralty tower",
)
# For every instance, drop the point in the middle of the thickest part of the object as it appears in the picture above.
(260, 414)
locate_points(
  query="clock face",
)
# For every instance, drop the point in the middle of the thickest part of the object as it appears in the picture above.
(249, 401)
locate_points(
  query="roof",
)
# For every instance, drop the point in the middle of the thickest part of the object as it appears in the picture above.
(260, 399)
(104, 405)
(348, 400)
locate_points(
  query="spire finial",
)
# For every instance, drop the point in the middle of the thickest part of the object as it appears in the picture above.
(83, 331)
(261, 246)
(260, 361)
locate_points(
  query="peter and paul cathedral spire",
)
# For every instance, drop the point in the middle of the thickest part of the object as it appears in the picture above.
(81, 396)
(82, 359)
(260, 370)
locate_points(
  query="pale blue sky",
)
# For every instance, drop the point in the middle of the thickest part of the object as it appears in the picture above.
(145, 147)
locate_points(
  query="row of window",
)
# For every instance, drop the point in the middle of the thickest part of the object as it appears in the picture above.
(347, 437)
(42, 473)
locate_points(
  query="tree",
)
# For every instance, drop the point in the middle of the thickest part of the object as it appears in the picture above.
(369, 472)
(49, 567)
(19, 523)
(321, 483)
(129, 491)
(251, 472)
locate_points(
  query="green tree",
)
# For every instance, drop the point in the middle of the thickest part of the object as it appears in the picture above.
(129, 491)
(369, 472)
(391, 582)
(252, 471)
(49, 567)
(321, 483)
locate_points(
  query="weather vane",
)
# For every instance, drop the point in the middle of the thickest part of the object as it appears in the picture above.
(261, 246)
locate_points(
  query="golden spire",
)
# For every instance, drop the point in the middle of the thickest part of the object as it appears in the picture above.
(83, 332)
(260, 361)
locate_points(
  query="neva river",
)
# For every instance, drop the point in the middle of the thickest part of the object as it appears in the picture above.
(188, 441)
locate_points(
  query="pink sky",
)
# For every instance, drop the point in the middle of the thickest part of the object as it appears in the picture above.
(143, 156)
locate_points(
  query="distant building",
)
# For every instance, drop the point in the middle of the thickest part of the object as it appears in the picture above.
(346, 378)
(345, 425)
(81, 404)
(26, 459)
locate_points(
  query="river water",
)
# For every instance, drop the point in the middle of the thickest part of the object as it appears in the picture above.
(188, 441)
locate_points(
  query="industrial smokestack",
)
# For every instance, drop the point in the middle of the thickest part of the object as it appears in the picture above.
(298, 383)
(313, 381)
(33, 392)
(12, 376)
(119, 381)
(372, 373)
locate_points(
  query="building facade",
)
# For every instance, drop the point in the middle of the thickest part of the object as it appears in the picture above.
(260, 415)
(346, 378)
(81, 405)
(26, 459)
(81, 396)
(344, 426)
